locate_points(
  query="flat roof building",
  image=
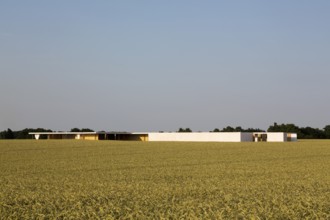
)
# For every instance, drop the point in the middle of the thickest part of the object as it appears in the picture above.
(173, 136)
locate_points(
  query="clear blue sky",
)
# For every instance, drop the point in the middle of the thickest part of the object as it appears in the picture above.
(161, 65)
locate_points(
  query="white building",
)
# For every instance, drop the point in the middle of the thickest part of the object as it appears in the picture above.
(173, 136)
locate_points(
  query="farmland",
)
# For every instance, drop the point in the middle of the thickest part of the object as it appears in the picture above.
(150, 180)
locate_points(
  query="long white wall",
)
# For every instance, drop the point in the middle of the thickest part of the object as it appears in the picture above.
(201, 136)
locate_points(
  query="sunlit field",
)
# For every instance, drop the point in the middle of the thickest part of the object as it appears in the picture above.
(150, 180)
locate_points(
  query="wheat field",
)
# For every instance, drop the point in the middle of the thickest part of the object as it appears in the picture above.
(62, 179)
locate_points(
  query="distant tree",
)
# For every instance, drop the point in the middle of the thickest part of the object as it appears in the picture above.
(86, 130)
(273, 128)
(228, 129)
(254, 130)
(7, 134)
(24, 134)
(239, 129)
(2, 134)
(327, 131)
(81, 130)
(283, 128)
(302, 132)
(10, 134)
(184, 130)
(312, 133)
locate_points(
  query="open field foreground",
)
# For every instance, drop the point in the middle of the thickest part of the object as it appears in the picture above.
(145, 180)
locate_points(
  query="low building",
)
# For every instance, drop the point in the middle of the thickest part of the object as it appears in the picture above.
(100, 135)
(173, 136)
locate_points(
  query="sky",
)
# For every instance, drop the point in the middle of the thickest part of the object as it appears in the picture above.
(162, 65)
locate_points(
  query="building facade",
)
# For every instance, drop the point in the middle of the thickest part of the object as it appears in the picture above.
(173, 136)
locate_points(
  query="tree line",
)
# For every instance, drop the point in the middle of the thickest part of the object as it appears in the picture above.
(302, 132)
(227, 129)
(24, 134)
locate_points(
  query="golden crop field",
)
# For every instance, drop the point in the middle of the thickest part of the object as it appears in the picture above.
(48, 179)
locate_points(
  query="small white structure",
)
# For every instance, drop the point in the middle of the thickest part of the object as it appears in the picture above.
(292, 137)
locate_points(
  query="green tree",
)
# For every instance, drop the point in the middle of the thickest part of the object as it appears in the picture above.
(284, 128)
(8, 134)
(184, 130)
(81, 130)
(302, 132)
(312, 133)
(327, 131)
(254, 130)
(86, 130)
(228, 129)
(239, 129)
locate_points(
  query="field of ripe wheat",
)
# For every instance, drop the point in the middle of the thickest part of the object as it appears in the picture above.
(149, 180)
